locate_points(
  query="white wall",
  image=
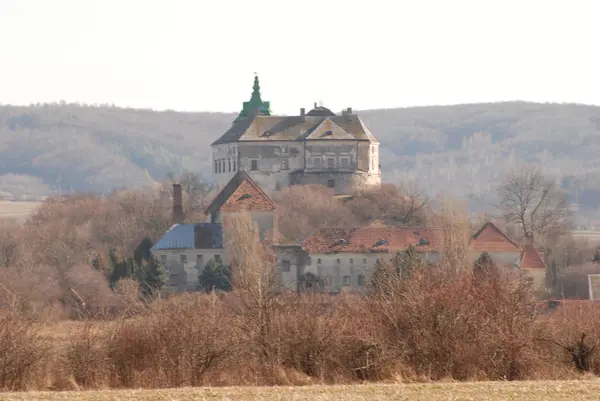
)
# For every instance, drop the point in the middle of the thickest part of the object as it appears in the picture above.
(508, 258)
(184, 276)
(333, 267)
(227, 159)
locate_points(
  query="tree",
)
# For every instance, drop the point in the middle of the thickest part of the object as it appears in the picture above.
(214, 276)
(484, 265)
(153, 276)
(142, 251)
(534, 202)
(402, 206)
(196, 193)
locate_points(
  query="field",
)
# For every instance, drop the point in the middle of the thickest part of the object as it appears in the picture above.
(484, 391)
(16, 210)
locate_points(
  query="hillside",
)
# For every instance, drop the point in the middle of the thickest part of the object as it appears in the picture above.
(459, 149)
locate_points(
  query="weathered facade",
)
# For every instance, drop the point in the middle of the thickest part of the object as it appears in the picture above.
(186, 248)
(345, 259)
(318, 147)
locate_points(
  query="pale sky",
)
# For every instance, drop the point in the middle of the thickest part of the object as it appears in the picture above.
(197, 55)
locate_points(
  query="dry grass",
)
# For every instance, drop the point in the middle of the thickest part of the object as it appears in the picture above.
(17, 210)
(484, 391)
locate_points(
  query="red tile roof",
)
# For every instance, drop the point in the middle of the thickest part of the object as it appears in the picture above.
(372, 239)
(490, 238)
(531, 258)
(241, 193)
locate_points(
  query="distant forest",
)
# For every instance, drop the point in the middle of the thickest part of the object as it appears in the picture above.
(461, 150)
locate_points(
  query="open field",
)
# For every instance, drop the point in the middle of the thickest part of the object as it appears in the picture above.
(16, 210)
(484, 391)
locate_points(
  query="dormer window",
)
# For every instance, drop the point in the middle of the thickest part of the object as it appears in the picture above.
(245, 196)
(381, 242)
(340, 241)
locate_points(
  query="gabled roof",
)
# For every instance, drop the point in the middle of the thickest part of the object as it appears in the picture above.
(531, 258)
(328, 129)
(192, 236)
(241, 193)
(490, 238)
(294, 128)
(372, 239)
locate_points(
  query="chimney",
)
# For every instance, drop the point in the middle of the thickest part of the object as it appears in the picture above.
(528, 240)
(315, 105)
(302, 111)
(177, 205)
(349, 110)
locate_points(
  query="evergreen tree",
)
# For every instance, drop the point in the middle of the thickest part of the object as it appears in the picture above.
(484, 265)
(124, 268)
(153, 276)
(215, 276)
(142, 251)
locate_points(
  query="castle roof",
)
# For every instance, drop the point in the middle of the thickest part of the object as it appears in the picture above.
(259, 128)
(490, 238)
(241, 193)
(531, 258)
(372, 239)
(255, 105)
(192, 236)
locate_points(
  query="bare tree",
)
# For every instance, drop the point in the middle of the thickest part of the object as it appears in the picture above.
(534, 202)
(255, 284)
(403, 206)
(197, 193)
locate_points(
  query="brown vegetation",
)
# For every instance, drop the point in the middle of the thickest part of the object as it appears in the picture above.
(419, 321)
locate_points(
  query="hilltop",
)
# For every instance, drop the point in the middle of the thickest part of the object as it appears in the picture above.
(461, 149)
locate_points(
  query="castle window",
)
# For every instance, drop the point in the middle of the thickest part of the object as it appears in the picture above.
(364, 261)
(183, 259)
(216, 166)
(285, 265)
(317, 162)
(331, 163)
(199, 261)
(234, 166)
(163, 259)
(285, 164)
(337, 261)
(284, 149)
(361, 280)
(330, 183)
(217, 258)
(351, 261)
(253, 165)
(319, 261)
(346, 281)
(229, 164)
(372, 164)
(345, 162)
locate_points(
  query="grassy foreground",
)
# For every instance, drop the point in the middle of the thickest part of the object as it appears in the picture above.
(484, 391)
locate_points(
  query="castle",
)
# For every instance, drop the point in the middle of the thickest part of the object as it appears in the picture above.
(262, 153)
(315, 147)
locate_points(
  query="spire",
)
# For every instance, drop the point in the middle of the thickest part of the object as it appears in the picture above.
(256, 86)
(255, 103)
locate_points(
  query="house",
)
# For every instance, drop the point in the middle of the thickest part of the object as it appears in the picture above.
(186, 248)
(532, 262)
(345, 258)
(499, 246)
(315, 147)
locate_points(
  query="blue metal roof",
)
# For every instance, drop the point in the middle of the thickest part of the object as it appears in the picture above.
(192, 236)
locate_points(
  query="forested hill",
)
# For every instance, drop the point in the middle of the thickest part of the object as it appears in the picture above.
(459, 149)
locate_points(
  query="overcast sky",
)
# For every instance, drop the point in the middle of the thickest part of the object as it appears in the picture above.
(200, 55)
